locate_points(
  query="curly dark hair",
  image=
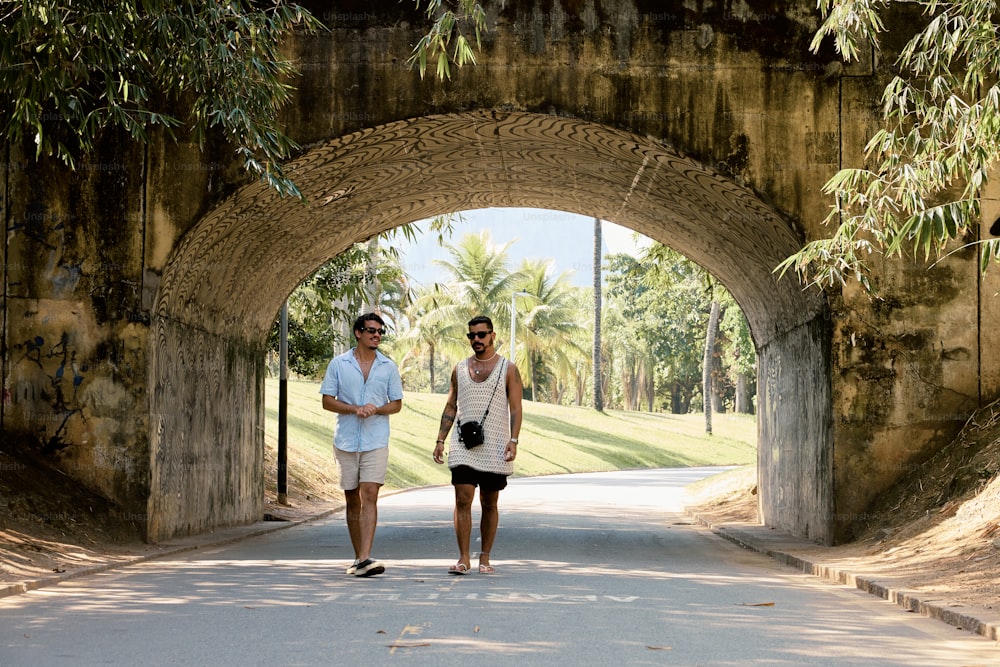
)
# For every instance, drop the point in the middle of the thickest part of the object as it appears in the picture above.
(359, 323)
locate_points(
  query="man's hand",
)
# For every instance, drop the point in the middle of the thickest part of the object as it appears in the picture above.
(510, 451)
(439, 452)
(365, 411)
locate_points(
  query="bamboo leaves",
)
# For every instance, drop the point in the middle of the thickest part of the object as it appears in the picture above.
(928, 164)
(447, 35)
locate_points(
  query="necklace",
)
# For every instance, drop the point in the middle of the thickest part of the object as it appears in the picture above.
(479, 370)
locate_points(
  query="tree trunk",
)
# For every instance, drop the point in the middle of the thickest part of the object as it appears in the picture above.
(743, 404)
(675, 398)
(650, 389)
(718, 387)
(431, 349)
(345, 326)
(629, 385)
(532, 375)
(719, 380)
(598, 393)
(718, 400)
(374, 288)
(706, 374)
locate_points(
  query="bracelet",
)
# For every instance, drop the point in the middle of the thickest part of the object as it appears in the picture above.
(439, 442)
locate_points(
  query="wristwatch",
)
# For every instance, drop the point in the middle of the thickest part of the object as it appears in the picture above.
(514, 440)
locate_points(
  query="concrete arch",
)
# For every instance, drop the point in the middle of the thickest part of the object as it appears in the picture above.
(228, 276)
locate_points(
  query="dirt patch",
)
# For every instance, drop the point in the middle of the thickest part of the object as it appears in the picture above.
(50, 525)
(936, 533)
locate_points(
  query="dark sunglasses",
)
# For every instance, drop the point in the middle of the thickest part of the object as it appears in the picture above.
(472, 335)
(380, 332)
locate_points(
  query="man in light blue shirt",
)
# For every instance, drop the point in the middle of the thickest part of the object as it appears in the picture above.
(363, 387)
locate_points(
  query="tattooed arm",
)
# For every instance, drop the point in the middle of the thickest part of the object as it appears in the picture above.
(447, 418)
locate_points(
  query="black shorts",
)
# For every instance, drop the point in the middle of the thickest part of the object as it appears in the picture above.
(487, 481)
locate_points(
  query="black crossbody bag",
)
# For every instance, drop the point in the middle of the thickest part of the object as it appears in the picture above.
(471, 434)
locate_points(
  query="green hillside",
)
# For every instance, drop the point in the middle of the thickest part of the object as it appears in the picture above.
(554, 439)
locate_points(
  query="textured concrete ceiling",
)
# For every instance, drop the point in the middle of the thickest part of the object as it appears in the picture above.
(234, 268)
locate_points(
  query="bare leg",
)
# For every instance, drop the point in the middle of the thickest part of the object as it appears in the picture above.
(464, 495)
(353, 514)
(488, 500)
(367, 519)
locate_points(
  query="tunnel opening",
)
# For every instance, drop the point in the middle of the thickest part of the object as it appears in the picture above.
(228, 277)
(547, 259)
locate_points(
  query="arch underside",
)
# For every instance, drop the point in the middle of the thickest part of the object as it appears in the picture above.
(236, 267)
(232, 271)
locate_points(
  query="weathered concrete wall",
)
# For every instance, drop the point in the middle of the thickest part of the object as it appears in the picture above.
(709, 129)
(74, 363)
(209, 431)
(795, 432)
(989, 300)
(907, 367)
(906, 376)
(732, 87)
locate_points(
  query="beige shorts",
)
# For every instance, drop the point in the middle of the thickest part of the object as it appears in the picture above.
(357, 467)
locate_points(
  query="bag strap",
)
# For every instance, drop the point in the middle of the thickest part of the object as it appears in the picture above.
(492, 394)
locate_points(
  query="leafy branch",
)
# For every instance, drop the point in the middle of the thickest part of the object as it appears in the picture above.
(72, 69)
(446, 35)
(931, 159)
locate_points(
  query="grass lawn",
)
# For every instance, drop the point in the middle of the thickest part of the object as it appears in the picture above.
(554, 439)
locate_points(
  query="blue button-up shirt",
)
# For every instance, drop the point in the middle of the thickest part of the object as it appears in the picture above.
(345, 382)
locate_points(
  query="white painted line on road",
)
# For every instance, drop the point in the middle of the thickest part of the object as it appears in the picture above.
(493, 597)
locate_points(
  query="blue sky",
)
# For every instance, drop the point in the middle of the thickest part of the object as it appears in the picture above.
(567, 238)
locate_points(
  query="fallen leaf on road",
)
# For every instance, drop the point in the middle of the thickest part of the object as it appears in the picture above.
(476, 629)
(756, 604)
(660, 648)
(381, 632)
(398, 645)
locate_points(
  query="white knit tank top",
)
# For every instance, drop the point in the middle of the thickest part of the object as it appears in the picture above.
(473, 399)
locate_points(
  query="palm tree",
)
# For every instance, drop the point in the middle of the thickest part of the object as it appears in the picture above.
(552, 317)
(480, 284)
(629, 357)
(706, 382)
(598, 394)
(423, 336)
(363, 278)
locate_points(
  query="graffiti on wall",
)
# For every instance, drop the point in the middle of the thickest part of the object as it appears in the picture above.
(62, 380)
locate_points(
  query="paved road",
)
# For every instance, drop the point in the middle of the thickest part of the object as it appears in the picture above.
(597, 569)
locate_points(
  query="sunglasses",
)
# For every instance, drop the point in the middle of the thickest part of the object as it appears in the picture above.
(472, 335)
(373, 330)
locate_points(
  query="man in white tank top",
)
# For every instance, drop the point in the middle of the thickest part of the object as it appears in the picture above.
(485, 388)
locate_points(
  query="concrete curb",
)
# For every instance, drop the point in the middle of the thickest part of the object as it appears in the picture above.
(207, 540)
(782, 547)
